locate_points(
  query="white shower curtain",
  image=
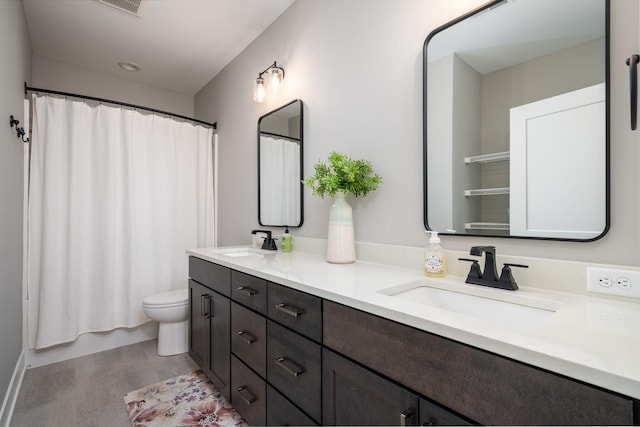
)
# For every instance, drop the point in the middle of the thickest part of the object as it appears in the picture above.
(279, 181)
(116, 196)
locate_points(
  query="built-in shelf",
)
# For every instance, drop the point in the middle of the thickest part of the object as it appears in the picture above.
(486, 191)
(486, 226)
(488, 158)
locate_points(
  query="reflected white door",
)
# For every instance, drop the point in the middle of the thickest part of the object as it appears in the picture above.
(558, 166)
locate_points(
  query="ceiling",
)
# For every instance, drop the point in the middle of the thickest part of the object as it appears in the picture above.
(179, 44)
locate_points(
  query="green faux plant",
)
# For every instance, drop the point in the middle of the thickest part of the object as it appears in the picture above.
(342, 175)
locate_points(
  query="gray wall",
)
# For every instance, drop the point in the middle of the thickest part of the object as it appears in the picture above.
(359, 75)
(15, 51)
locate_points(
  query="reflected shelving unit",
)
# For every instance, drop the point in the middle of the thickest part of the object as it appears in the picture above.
(490, 224)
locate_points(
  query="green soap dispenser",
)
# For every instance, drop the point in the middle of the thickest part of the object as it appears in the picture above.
(435, 263)
(287, 241)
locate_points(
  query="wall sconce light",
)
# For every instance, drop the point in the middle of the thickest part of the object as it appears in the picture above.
(275, 77)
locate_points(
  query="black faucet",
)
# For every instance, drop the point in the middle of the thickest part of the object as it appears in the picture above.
(269, 243)
(489, 277)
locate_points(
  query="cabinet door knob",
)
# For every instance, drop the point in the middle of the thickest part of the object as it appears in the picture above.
(207, 312)
(289, 366)
(244, 392)
(291, 311)
(248, 338)
(247, 291)
(407, 413)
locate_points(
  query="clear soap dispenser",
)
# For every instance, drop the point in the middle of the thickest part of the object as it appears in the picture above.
(435, 263)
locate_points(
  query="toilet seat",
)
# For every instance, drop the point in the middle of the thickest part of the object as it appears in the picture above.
(169, 299)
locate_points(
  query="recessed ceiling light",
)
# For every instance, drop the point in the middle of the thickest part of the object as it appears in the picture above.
(129, 66)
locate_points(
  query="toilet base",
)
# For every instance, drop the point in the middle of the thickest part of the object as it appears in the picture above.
(173, 338)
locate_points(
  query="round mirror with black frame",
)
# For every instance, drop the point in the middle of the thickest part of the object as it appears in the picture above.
(280, 172)
(516, 121)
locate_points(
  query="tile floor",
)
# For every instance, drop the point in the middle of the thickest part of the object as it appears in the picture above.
(88, 391)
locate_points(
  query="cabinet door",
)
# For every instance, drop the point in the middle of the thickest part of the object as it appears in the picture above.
(353, 395)
(198, 324)
(219, 339)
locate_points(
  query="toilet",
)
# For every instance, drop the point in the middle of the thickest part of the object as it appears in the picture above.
(171, 310)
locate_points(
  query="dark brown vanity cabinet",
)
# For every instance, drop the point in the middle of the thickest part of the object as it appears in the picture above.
(210, 321)
(285, 357)
(485, 387)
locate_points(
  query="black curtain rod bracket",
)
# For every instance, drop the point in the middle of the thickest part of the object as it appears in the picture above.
(214, 125)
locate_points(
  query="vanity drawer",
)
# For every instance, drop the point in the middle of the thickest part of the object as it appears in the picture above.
(281, 412)
(294, 368)
(487, 388)
(249, 290)
(248, 393)
(296, 310)
(249, 337)
(211, 275)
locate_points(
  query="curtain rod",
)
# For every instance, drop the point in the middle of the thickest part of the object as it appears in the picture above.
(280, 136)
(214, 125)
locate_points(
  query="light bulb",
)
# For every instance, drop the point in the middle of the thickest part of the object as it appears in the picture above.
(259, 91)
(276, 79)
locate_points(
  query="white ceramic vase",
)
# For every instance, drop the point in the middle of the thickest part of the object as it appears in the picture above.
(341, 246)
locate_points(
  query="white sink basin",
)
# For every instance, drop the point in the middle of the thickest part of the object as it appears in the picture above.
(242, 253)
(508, 309)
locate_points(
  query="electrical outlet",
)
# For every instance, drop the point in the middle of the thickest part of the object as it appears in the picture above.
(614, 282)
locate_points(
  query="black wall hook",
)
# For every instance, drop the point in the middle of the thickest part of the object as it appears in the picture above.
(20, 132)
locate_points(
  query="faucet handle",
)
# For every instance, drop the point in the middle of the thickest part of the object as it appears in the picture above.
(474, 272)
(507, 277)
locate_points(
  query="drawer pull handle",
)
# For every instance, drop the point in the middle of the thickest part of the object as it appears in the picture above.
(248, 338)
(289, 366)
(407, 413)
(244, 392)
(247, 291)
(291, 311)
(208, 312)
(201, 305)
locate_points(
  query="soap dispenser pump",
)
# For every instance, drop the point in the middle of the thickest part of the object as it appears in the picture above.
(435, 264)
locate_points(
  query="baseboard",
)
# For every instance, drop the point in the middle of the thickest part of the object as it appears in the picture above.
(11, 396)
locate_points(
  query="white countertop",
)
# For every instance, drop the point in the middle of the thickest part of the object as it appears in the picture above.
(591, 339)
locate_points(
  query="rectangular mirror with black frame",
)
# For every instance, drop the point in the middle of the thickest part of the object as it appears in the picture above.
(516, 121)
(280, 167)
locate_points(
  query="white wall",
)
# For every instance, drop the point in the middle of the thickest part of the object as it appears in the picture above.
(54, 75)
(357, 66)
(15, 51)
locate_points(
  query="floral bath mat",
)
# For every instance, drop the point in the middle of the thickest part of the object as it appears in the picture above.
(184, 401)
